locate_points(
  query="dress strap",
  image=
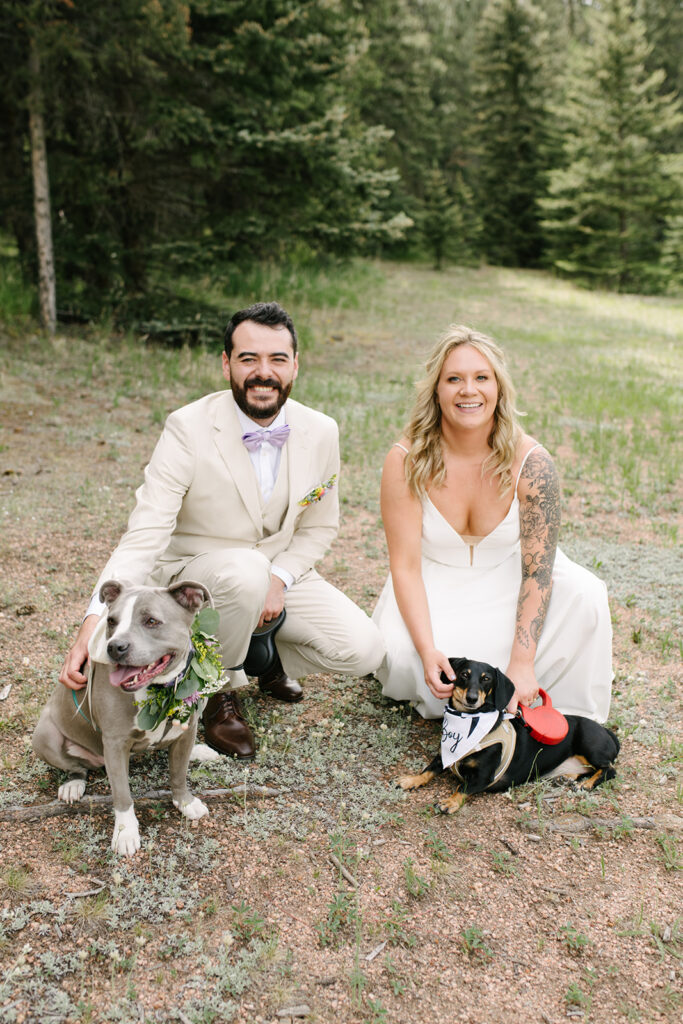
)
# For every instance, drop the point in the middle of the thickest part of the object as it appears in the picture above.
(397, 444)
(537, 445)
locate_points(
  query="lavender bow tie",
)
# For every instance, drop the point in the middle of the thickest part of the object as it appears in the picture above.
(253, 439)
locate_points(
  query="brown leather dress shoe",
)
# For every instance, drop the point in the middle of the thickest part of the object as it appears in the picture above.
(275, 683)
(225, 729)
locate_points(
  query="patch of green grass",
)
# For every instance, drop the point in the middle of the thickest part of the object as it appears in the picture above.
(416, 885)
(474, 944)
(574, 940)
(246, 922)
(342, 918)
(16, 879)
(504, 863)
(394, 926)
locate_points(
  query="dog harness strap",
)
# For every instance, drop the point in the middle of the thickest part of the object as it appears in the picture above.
(79, 708)
(505, 734)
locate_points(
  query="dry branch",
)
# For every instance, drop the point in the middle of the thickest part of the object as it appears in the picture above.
(345, 872)
(669, 821)
(90, 804)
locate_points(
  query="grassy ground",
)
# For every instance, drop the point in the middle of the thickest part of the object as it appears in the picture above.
(548, 903)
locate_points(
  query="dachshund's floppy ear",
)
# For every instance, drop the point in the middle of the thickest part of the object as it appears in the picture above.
(503, 691)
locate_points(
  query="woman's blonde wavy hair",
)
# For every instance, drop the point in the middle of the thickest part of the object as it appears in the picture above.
(424, 465)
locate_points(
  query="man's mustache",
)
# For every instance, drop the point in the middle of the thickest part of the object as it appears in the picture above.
(259, 382)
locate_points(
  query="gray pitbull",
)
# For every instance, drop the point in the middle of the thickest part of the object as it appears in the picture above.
(146, 639)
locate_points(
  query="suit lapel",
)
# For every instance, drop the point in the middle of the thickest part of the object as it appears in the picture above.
(228, 439)
(299, 457)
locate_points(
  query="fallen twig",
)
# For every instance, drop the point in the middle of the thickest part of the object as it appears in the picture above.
(376, 951)
(585, 824)
(340, 867)
(88, 892)
(88, 804)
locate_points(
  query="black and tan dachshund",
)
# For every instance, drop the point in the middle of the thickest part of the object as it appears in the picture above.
(588, 751)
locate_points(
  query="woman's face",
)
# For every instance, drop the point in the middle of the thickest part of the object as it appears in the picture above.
(467, 391)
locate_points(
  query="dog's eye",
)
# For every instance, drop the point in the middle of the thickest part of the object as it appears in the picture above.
(111, 622)
(152, 622)
(485, 678)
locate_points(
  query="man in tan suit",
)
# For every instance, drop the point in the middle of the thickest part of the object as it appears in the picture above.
(241, 494)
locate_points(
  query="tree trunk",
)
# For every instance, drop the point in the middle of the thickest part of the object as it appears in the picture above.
(41, 196)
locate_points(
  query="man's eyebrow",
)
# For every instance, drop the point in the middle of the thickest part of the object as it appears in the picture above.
(242, 355)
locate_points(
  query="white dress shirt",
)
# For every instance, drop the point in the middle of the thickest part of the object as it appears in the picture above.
(266, 463)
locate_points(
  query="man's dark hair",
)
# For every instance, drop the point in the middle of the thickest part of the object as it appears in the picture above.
(270, 314)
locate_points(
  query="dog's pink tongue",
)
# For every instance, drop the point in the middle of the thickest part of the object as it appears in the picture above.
(123, 673)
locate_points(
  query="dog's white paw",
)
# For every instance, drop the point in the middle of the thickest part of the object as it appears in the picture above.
(71, 791)
(126, 838)
(192, 810)
(201, 752)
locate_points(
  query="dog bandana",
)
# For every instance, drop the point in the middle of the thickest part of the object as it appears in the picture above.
(461, 732)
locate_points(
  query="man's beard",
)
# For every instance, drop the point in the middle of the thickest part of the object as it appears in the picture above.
(261, 412)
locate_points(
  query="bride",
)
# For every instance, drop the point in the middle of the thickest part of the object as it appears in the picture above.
(471, 510)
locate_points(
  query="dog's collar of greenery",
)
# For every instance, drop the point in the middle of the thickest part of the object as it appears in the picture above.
(202, 676)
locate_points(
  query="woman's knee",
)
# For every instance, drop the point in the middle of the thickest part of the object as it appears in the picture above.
(365, 650)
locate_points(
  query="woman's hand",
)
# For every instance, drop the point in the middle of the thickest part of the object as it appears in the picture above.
(526, 686)
(434, 663)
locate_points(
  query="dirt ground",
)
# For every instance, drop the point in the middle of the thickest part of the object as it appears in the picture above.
(333, 897)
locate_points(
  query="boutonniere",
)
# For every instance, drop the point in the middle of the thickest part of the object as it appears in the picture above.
(318, 492)
(187, 694)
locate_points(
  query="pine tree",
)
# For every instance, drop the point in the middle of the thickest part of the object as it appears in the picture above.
(181, 133)
(449, 222)
(511, 132)
(609, 205)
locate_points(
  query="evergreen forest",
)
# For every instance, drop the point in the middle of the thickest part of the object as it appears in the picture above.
(148, 141)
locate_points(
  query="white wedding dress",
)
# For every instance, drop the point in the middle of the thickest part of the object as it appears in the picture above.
(472, 591)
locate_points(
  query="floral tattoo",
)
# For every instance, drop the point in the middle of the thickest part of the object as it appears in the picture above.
(539, 520)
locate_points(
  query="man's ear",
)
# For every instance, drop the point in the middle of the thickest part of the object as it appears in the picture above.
(503, 691)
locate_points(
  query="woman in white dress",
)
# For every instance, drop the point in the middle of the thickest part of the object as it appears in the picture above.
(471, 510)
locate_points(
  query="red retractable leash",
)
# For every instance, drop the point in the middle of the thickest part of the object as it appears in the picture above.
(545, 723)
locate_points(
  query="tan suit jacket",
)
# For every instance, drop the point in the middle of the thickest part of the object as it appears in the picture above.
(200, 494)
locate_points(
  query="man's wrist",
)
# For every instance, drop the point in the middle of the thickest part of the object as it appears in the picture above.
(283, 575)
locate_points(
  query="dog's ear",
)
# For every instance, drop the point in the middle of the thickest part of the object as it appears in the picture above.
(109, 591)
(189, 595)
(503, 691)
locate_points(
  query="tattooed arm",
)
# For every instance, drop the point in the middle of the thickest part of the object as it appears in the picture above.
(539, 520)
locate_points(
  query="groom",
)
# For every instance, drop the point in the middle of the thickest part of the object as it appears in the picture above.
(241, 495)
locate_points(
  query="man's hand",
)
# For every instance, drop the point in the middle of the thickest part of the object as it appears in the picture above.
(77, 658)
(275, 600)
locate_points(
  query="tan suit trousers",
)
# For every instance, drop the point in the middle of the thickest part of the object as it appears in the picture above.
(324, 631)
